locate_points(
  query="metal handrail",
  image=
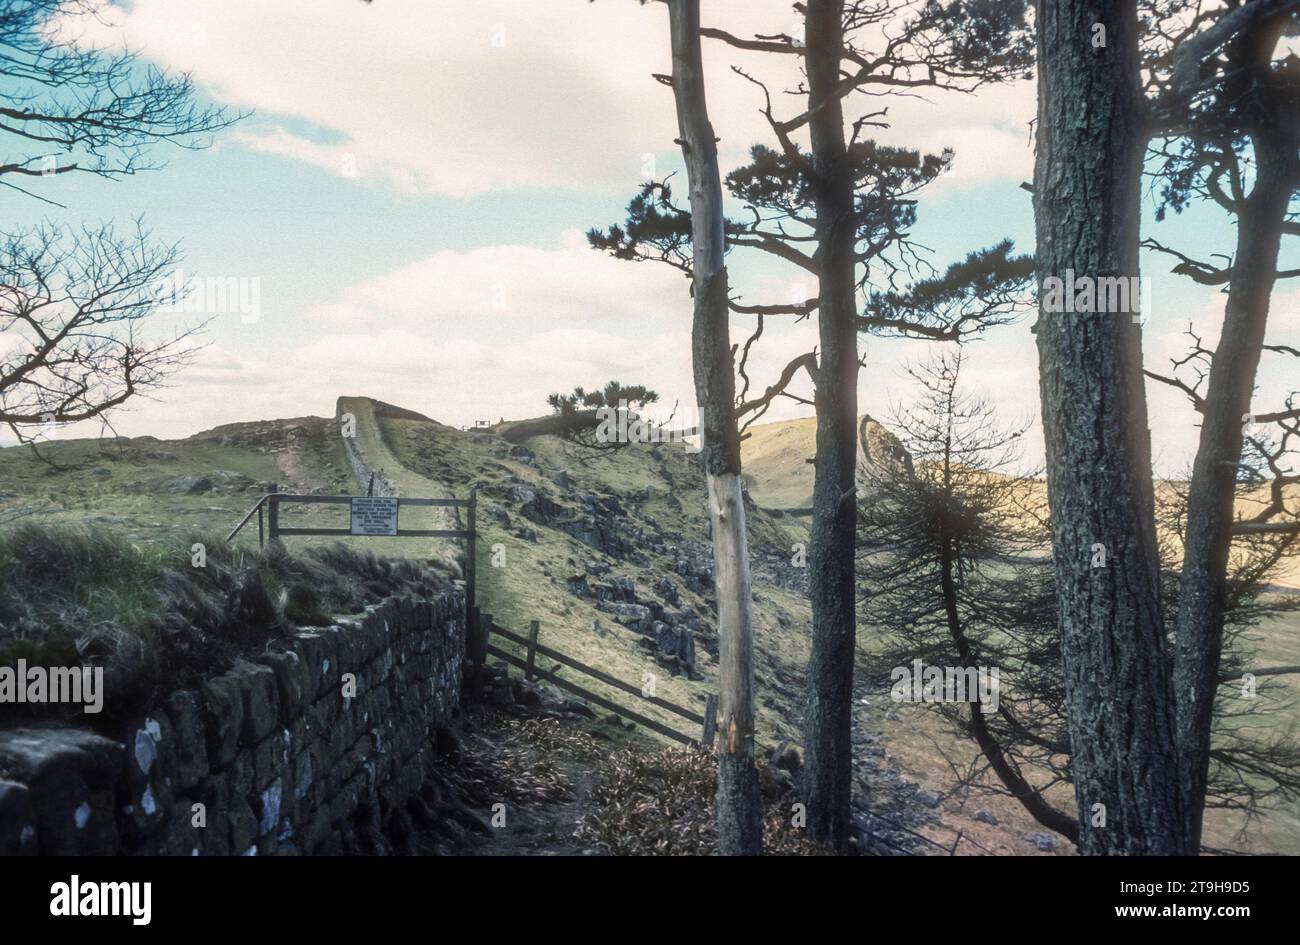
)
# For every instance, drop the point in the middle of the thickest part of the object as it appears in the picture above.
(244, 521)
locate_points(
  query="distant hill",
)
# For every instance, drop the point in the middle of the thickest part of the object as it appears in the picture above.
(775, 458)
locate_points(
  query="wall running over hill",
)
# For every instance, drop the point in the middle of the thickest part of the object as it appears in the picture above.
(276, 756)
(361, 469)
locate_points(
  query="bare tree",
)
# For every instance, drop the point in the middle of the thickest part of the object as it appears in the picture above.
(740, 826)
(73, 303)
(74, 306)
(70, 107)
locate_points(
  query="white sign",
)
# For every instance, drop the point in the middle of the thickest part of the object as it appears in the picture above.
(374, 515)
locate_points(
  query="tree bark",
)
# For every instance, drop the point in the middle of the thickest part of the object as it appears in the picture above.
(1087, 177)
(828, 717)
(740, 828)
(1202, 594)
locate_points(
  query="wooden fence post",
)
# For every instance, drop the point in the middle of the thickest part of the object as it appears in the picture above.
(261, 537)
(471, 551)
(480, 662)
(273, 514)
(710, 721)
(534, 629)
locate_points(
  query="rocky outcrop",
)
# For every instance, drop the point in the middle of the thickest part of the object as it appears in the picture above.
(881, 448)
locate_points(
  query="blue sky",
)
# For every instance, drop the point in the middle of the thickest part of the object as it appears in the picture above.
(411, 191)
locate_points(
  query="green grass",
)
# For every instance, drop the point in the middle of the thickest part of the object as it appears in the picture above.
(159, 618)
(530, 583)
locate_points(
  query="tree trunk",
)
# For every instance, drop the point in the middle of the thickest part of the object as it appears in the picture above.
(828, 718)
(1006, 770)
(1087, 180)
(1202, 593)
(740, 827)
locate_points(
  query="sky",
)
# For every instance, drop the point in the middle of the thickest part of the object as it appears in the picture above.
(407, 197)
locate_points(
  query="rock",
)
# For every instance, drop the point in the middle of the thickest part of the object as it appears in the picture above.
(535, 505)
(668, 591)
(261, 701)
(185, 710)
(562, 479)
(577, 585)
(675, 643)
(71, 775)
(605, 527)
(881, 448)
(619, 589)
(151, 745)
(523, 454)
(636, 616)
(985, 817)
(102, 472)
(928, 799)
(892, 716)
(17, 820)
(498, 514)
(526, 694)
(1043, 841)
(268, 813)
(189, 485)
(292, 680)
(224, 718)
(789, 760)
(574, 707)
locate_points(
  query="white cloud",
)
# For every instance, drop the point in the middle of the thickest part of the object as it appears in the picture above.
(572, 282)
(459, 99)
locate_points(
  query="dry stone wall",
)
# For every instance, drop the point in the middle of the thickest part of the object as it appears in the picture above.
(282, 755)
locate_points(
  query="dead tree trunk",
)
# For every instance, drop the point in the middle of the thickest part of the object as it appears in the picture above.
(828, 717)
(1087, 176)
(739, 815)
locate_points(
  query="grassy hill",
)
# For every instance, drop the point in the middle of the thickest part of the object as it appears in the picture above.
(608, 551)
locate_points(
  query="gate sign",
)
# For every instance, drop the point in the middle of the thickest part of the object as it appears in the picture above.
(374, 515)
